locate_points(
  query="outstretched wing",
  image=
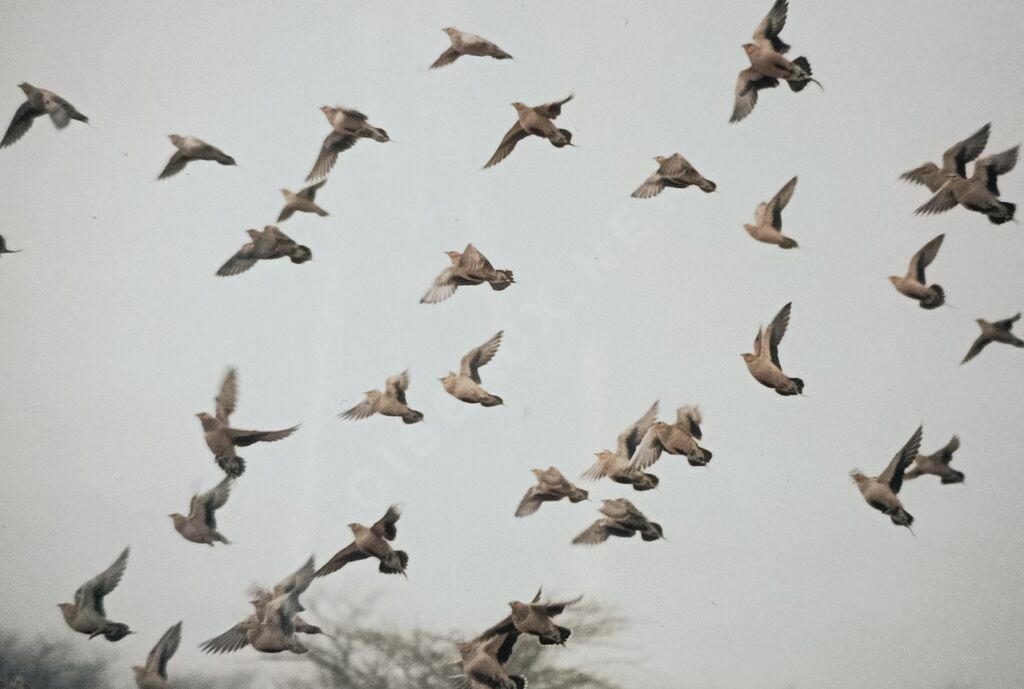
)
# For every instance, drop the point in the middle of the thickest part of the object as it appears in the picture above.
(363, 410)
(940, 202)
(1007, 323)
(893, 474)
(385, 526)
(979, 344)
(228, 642)
(776, 331)
(333, 144)
(446, 58)
(923, 258)
(164, 649)
(309, 192)
(213, 500)
(245, 438)
(778, 202)
(988, 169)
(552, 110)
(508, 142)
(396, 385)
(955, 158)
(227, 398)
(350, 553)
(630, 438)
(22, 121)
(91, 593)
(767, 32)
(647, 452)
(480, 356)
(593, 534)
(443, 287)
(175, 165)
(748, 83)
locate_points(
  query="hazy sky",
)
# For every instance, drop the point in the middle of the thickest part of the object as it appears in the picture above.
(115, 332)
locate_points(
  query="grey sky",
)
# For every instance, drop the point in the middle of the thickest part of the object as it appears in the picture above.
(115, 331)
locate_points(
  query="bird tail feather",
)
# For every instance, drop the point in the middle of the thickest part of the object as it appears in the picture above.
(935, 299)
(232, 466)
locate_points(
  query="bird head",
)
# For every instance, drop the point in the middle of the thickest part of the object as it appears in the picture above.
(179, 519)
(175, 138)
(356, 528)
(749, 48)
(519, 106)
(517, 606)
(451, 30)
(749, 358)
(139, 671)
(857, 476)
(454, 256)
(68, 610)
(26, 87)
(448, 378)
(660, 159)
(208, 421)
(301, 254)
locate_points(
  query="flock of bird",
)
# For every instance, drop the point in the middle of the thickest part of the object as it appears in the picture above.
(275, 624)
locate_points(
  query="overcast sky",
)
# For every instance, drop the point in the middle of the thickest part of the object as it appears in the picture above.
(115, 332)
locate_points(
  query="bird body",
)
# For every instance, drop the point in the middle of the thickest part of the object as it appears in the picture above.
(551, 486)
(533, 618)
(680, 438)
(347, 127)
(767, 225)
(914, 285)
(389, 402)
(222, 439)
(937, 464)
(371, 542)
(466, 384)
(467, 44)
(533, 121)
(616, 465)
(200, 526)
(189, 149)
(882, 491)
(468, 268)
(997, 331)
(673, 171)
(153, 675)
(39, 102)
(979, 192)
(622, 519)
(87, 614)
(483, 663)
(303, 201)
(265, 245)
(763, 363)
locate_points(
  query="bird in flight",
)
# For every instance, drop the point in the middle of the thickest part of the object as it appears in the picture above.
(535, 121)
(467, 44)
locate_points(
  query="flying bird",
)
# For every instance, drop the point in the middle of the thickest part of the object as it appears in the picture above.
(767, 225)
(979, 193)
(533, 618)
(467, 44)
(222, 439)
(371, 542)
(189, 149)
(674, 171)
(954, 160)
(483, 663)
(390, 402)
(536, 121)
(153, 675)
(468, 268)
(465, 385)
(914, 285)
(302, 200)
(347, 127)
(621, 518)
(272, 628)
(937, 464)
(679, 438)
(551, 486)
(200, 526)
(5, 250)
(998, 331)
(39, 102)
(616, 465)
(265, 245)
(882, 491)
(767, 64)
(763, 363)
(87, 614)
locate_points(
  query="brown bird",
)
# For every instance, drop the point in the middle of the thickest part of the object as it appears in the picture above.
(881, 491)
(622, 519)
(980, 193)
(87, 614)
(467, 44)
(390, 402)
(153, 675)
(768, 219)
(273, 627)
(302, 200)
(914, 285)
(371, 542)
(200, 526)
(189, 149)
(39, 102)
(483, 663)
(536, 121)
(347, 127)
(222, 439)
(674, 171)
(679, 438)
(767, 64)
(937, 464)
(616, 466)
(465, 385)
(999, 331)
(468, 268)
(5, 250)
(955, 159)
(763, 363)
(267, 245)
(551, 486)
(533, 618)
